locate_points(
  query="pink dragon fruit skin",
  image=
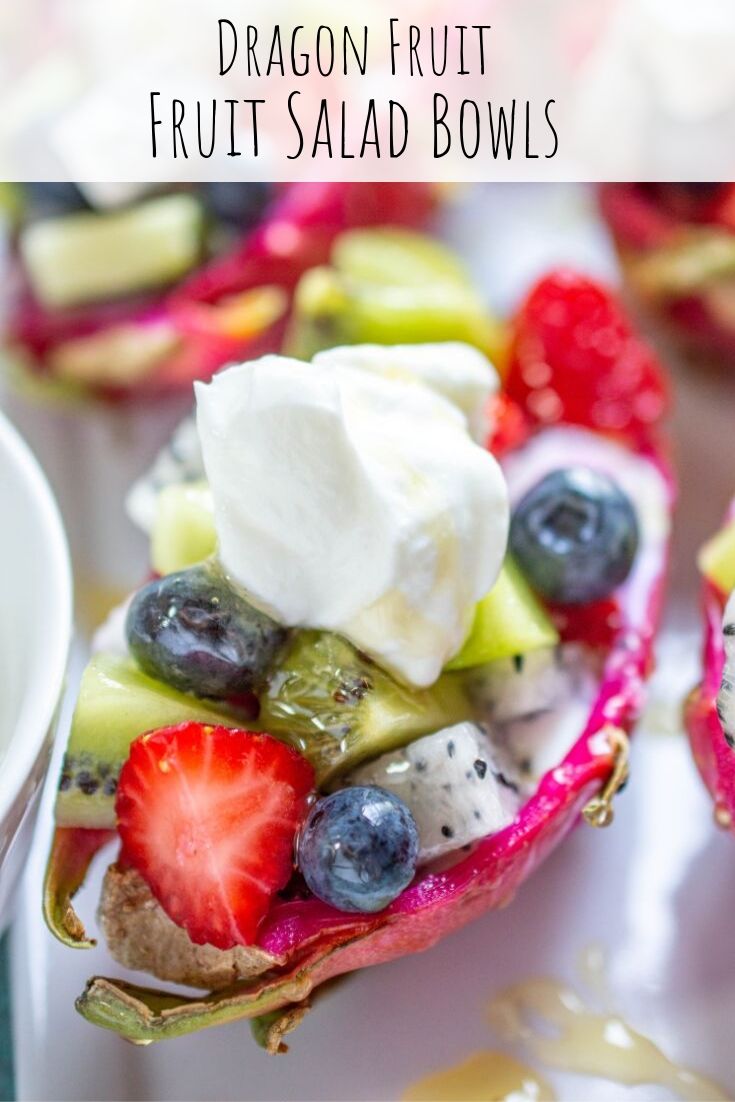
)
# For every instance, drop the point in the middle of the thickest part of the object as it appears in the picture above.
(297, 233)
(714, 757)
(313, 943)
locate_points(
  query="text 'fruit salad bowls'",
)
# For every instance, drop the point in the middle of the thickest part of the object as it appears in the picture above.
(709, 711)
(677, 247)
(399, 626)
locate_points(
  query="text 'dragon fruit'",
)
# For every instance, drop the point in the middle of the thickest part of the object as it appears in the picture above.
(208, 817)
(358, 849)
(576, 358)
(575, 535)
(194, 630)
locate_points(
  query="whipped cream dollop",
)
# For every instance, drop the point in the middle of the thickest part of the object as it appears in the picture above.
(457, 371)
(348, 501)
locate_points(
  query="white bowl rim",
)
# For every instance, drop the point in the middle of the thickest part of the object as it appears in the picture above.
(39, 707)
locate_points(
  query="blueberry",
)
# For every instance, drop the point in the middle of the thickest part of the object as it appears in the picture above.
(358, 849)
(574, 535)
(51, 199)
(194, 631)
(238, 204)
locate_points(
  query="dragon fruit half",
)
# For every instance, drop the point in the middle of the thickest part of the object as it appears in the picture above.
(575, 740)
(677, 246)
(233, 307)
(709, 712)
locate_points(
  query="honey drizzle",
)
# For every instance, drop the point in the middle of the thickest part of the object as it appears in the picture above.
(482, 1077)
(562, 1031)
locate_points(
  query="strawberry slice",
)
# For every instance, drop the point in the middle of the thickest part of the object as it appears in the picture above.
(510, 426)
(596, 623)
(576, 358)
(208, 817)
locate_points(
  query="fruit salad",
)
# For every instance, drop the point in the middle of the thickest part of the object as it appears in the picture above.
(709, 711)
(398, 626)
(677, 244)
(141, 297)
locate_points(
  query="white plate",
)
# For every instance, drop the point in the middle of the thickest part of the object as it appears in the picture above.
(35, 630)
(657, 890)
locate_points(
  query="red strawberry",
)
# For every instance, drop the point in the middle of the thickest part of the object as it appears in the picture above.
(208, 816)
(510, 425)
(596, 624)
(575, 358)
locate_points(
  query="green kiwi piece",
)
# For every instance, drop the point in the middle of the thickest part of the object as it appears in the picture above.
(337, 707)
(389, 287)
(333, 309)
(183, 530)
(694, 261)
(116, 703)
(509, 620)
(390, 255)
(90, 256)
(326, 699)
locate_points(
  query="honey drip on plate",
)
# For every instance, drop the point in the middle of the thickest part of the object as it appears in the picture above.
(482, 1077)
(562, 1031)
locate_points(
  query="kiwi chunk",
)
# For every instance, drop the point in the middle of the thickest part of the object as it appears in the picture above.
(508, 621)
(116, 703)
(697, 259)
(89, 257)
(337, 707)
(389, 287)
(398, 257)
(183, 530)
(716, 560)
(326, 699)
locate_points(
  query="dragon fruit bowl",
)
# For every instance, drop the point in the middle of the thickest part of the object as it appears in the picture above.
(676, 246)
(132, 301)
(319, 748)
(708, 708)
